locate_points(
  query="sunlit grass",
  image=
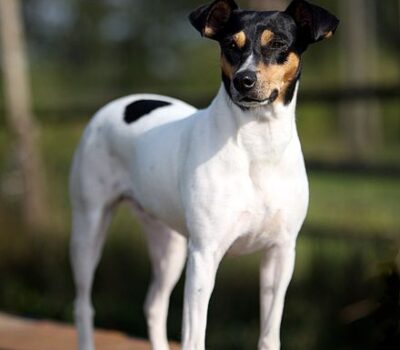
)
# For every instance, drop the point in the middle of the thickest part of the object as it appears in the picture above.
(356, 203)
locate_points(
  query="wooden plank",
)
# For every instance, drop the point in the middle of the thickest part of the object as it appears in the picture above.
(21, 334)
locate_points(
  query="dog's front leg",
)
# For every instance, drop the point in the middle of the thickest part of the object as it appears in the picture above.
(200, 278)
(275, 274)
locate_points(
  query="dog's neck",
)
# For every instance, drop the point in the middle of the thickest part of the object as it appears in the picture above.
(264, 133)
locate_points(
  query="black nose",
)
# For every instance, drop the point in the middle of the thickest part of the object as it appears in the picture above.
(245, 81)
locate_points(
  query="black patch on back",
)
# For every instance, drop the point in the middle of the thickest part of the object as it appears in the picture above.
(139, 108)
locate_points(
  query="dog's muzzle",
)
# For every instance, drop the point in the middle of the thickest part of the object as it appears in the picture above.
(246, 92)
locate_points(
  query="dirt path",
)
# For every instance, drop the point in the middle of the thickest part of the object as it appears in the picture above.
(22, 334)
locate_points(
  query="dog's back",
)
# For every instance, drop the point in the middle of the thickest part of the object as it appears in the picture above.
(122, 131)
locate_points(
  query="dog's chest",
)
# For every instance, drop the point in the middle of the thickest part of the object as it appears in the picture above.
(277, 209)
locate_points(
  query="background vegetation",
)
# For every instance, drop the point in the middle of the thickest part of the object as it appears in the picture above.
(345, 291)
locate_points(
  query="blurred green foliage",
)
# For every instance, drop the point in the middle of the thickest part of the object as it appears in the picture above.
(92, 50)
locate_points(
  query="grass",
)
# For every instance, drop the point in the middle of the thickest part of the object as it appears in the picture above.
(355, 203)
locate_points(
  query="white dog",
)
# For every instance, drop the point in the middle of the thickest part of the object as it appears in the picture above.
(227, 179)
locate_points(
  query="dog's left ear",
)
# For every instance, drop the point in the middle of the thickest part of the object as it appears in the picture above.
(210, 19)
(314, 22)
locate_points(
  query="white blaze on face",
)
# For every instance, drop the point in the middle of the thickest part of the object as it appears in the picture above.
(249, 64)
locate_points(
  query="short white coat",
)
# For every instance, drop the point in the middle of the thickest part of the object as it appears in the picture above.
(214, 181)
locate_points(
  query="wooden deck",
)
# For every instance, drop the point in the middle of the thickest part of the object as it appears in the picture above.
(22, 334)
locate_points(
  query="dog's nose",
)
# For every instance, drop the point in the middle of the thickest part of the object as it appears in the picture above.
(245, 81)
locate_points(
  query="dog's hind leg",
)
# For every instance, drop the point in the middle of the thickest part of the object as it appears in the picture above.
(89, 227)
(167, 250)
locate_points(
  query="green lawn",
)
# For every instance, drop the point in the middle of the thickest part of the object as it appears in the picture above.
(361, 204)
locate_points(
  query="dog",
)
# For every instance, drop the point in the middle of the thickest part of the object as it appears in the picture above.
(229, 179)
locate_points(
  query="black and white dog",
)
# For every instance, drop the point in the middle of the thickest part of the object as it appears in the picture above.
(226, 179)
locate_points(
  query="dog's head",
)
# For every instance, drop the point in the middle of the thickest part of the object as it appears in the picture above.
(260, 51)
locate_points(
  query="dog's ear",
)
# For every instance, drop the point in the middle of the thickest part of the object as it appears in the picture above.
(314, 22)
(210, 19)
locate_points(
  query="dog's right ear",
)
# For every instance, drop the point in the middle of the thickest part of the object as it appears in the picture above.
(314, 22)
(210, 19)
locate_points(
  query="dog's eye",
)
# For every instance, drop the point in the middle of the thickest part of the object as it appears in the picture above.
(277, 44)
(231, 44)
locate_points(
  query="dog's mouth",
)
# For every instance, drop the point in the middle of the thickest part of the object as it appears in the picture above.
(252, 102)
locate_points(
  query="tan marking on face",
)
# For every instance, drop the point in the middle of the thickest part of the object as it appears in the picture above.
(277, 76)
(208, 32)
(240, 39)
(291, 67)
(328, 35)
(266, 37)
(227, 68)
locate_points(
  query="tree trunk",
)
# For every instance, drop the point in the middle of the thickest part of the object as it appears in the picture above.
(18, 110)
(360, 120)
